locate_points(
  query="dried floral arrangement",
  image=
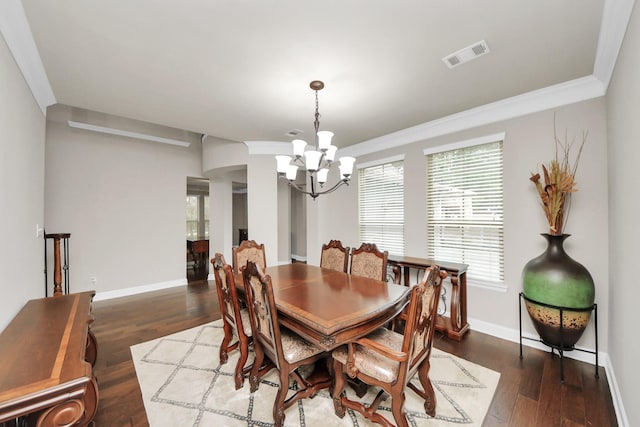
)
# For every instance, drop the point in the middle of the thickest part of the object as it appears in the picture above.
(559, 181)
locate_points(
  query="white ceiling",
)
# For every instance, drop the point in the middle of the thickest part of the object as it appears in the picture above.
(240, 70)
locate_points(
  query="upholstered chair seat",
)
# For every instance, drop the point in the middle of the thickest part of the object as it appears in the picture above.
(295, 348)
(372, 363)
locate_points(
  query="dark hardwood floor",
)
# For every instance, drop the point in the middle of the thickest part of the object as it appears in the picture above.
(529, 392)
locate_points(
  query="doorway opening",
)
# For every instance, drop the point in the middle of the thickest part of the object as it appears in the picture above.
(240, 213)
(197, 229)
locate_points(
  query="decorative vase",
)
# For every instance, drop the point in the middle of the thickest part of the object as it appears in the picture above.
(556, 279)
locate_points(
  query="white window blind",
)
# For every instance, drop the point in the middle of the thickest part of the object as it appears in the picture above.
(465, 221)
(381, 206)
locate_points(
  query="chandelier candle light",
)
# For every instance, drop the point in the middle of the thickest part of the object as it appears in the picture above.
(316, 161)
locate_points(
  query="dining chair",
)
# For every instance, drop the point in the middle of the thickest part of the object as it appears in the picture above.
(287, 350)
(235, 320)
(369, 262)
(334, 256)
(389, 360)
(248, 250)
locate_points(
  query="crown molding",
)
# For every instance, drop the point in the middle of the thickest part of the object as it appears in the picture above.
(17, 34)
(615, 19)
(565, 93)
(128, 134)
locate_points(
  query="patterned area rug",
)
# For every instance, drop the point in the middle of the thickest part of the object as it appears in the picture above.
(183, 384)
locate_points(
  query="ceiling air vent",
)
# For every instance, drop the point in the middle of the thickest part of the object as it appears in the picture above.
(294, 132)
(467, 54)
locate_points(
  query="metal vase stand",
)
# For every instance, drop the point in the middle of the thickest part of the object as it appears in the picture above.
(561, 348)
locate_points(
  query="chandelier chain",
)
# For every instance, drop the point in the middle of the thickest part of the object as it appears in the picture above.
(316, 123)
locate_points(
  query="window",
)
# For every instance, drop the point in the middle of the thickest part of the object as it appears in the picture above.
(197, 217)
(381, 206)
(465, 209)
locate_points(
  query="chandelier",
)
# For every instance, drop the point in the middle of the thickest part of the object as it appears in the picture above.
(316, 161)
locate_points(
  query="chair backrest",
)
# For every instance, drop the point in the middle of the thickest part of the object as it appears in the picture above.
(334, 256)
(227, 293)
(368, 261)
(249, 250)
(421, 318)
(262, 311)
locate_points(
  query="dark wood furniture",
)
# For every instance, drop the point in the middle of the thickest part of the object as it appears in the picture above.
(335, 256)
(456, 325)
(330, 308)
(248, 250)
(389, 360)
(527, 392)
(47, 354)
(243, 234)
(58, 267)
(287, 350)
(368, 261)
(237, 329)
(200, 251)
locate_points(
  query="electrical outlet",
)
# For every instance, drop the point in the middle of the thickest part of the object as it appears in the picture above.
(39, 231)
(93, 279)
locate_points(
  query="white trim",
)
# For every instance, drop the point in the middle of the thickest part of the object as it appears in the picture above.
(621, 414)
(102, 296)
(128, 134)
(378, 162)
(513, 335)
(561, 94)
(615, 19)
(269, 147)
(299, 258)
(17, 34)
(496, 137)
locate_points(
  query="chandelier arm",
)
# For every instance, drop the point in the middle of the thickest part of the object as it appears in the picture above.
(315, 194)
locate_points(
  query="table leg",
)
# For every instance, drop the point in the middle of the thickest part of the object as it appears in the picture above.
(57, 270)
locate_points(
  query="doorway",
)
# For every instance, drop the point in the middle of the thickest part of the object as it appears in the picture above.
(197, 229)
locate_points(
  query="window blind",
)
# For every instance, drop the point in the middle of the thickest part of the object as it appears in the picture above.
(381, 206)
(465, 222)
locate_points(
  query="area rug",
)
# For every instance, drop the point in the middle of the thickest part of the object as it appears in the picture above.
(183, 384)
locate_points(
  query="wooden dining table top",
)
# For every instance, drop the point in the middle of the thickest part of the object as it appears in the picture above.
(328, 307)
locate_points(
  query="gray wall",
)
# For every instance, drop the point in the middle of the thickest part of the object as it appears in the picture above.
(22, 131)
(623, 107)
(122, 200)
(528, 142)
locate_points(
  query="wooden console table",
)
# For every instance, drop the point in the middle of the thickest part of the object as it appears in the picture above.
(47, 354)
(456, 325)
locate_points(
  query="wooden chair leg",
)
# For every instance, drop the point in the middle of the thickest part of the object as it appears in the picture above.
(224, 346)
(254, 375)
(238, 375)
(430, 396)
(427, 392)
(278, 405)
(397, 408)
(338, 389)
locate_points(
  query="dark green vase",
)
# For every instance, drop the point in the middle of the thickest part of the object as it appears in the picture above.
(556, 279)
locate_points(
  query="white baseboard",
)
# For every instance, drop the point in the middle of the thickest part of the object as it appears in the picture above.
(299, 258)
(513, 335)
(106, 295)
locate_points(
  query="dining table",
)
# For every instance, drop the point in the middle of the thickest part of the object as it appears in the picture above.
(330, 308)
